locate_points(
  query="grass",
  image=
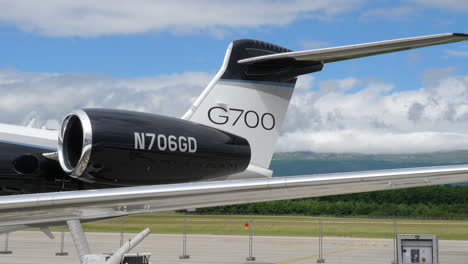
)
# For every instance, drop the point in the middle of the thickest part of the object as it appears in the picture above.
(282, 226)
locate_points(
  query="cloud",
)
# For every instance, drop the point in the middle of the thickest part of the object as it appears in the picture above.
(313, 44)
(371, 142)
(454, 5)
(346, 115)
(409, 9)
(88, 18)
(401, 13)
(433, 75)
(353, 115)
(457, 53)
(44, 96)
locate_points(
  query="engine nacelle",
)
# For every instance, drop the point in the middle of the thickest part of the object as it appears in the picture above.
(127, 148)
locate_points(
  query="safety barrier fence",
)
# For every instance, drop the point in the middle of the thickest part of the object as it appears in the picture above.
(240, 239)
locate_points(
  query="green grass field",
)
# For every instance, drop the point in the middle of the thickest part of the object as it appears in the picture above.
(282, 226)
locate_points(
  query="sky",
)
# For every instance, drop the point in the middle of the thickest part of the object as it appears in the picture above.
(157, 56)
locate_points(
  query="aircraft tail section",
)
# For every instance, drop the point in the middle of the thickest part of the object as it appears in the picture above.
(250, 94)
(249, 101)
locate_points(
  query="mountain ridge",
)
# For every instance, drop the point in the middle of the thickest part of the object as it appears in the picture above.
(299, 163)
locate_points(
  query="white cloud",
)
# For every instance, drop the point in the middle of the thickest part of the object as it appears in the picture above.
(433, 75)
(458, 53)
(407, 10)
(455, 5)
(371, 142)
(400, 13)
(376, 119)
(88, 18)
(347, 115)
(43, 96)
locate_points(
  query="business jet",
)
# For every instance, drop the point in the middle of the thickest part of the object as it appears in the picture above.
(106, 163)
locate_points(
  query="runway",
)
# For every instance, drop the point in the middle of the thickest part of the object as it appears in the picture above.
(34, 247)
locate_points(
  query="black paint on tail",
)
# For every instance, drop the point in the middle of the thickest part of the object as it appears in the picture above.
(281, 70)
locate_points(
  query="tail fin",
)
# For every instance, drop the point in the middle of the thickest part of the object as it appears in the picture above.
(249, 101)
(250, 94)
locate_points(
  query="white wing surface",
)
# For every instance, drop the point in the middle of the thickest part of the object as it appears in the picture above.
(49, 209)
(361, 50)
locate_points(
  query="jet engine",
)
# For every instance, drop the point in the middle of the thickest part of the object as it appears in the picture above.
(127, 148)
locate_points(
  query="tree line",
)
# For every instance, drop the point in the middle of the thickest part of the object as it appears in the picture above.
(447, 201)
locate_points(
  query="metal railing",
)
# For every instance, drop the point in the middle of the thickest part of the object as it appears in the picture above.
(278, 240)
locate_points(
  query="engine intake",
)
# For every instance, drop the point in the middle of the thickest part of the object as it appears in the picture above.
(127, 148)
(74, 143)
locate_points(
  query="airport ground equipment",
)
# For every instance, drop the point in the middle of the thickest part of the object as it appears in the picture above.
(418, 249)
(116, 258)
(137, 258)
(86, 257)
(134, 258)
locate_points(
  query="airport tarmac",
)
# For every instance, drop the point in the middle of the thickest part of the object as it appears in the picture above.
(34, 247)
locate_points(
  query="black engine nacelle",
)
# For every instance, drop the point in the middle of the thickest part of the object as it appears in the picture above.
(127, 148)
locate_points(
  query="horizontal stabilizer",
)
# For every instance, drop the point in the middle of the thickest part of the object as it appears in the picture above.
(327, 55)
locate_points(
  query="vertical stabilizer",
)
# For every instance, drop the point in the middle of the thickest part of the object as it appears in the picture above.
(248, 101)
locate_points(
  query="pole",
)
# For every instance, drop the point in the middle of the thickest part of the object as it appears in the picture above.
(62, 244)
(121, 231)
(6, 251)
(395, 242)
(184, 241)
(320, 259)
(250, 257)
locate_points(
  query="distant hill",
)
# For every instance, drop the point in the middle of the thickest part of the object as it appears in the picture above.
(297, 163)
(441, 201)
